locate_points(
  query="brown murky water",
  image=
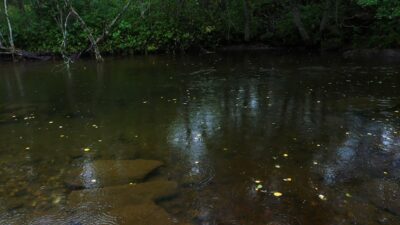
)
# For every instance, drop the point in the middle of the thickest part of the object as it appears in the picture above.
(248, 138)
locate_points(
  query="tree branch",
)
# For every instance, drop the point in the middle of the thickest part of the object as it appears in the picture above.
(89, 32)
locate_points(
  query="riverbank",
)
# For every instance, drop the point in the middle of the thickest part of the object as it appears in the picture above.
(350, 54)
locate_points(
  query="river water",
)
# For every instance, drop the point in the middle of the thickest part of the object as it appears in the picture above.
(250, 138)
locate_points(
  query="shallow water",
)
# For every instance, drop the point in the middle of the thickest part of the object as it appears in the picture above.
(235, 131)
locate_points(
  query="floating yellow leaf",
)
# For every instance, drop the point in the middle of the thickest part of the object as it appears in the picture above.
(322, 197)
(277, 194)
(287, 179)
(86, 149)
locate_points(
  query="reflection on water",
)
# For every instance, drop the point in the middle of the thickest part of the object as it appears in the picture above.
(235, 132)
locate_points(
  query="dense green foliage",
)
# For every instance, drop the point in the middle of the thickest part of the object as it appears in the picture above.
(178, 25)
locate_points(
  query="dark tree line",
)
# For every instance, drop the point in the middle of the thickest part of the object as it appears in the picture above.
(74, 27)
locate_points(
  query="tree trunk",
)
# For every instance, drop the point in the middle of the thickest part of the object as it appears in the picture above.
(107, 29)
(247, 20)
(93, 42)
(10, 32)
(325, 16)
(1, 38)
(299, 24)
(110, 25)
(21, 5)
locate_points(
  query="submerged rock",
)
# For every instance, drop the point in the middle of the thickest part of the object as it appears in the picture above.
(147, 213)
(359, 212)
(123, 195)
(102, 173)
(123, 204)
(384, 194)
(142, 214)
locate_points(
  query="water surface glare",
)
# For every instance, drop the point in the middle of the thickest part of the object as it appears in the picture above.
(248, 138)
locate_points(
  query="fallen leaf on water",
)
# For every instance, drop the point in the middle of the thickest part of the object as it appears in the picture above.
(287, 179)
(277, 166)
(277, 194)
(86, 149)
(322, 197)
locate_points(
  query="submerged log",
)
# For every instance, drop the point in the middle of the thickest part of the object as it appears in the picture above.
(102, 173)
(24, 54)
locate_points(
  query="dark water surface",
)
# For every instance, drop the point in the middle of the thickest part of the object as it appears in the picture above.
(249, 138)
